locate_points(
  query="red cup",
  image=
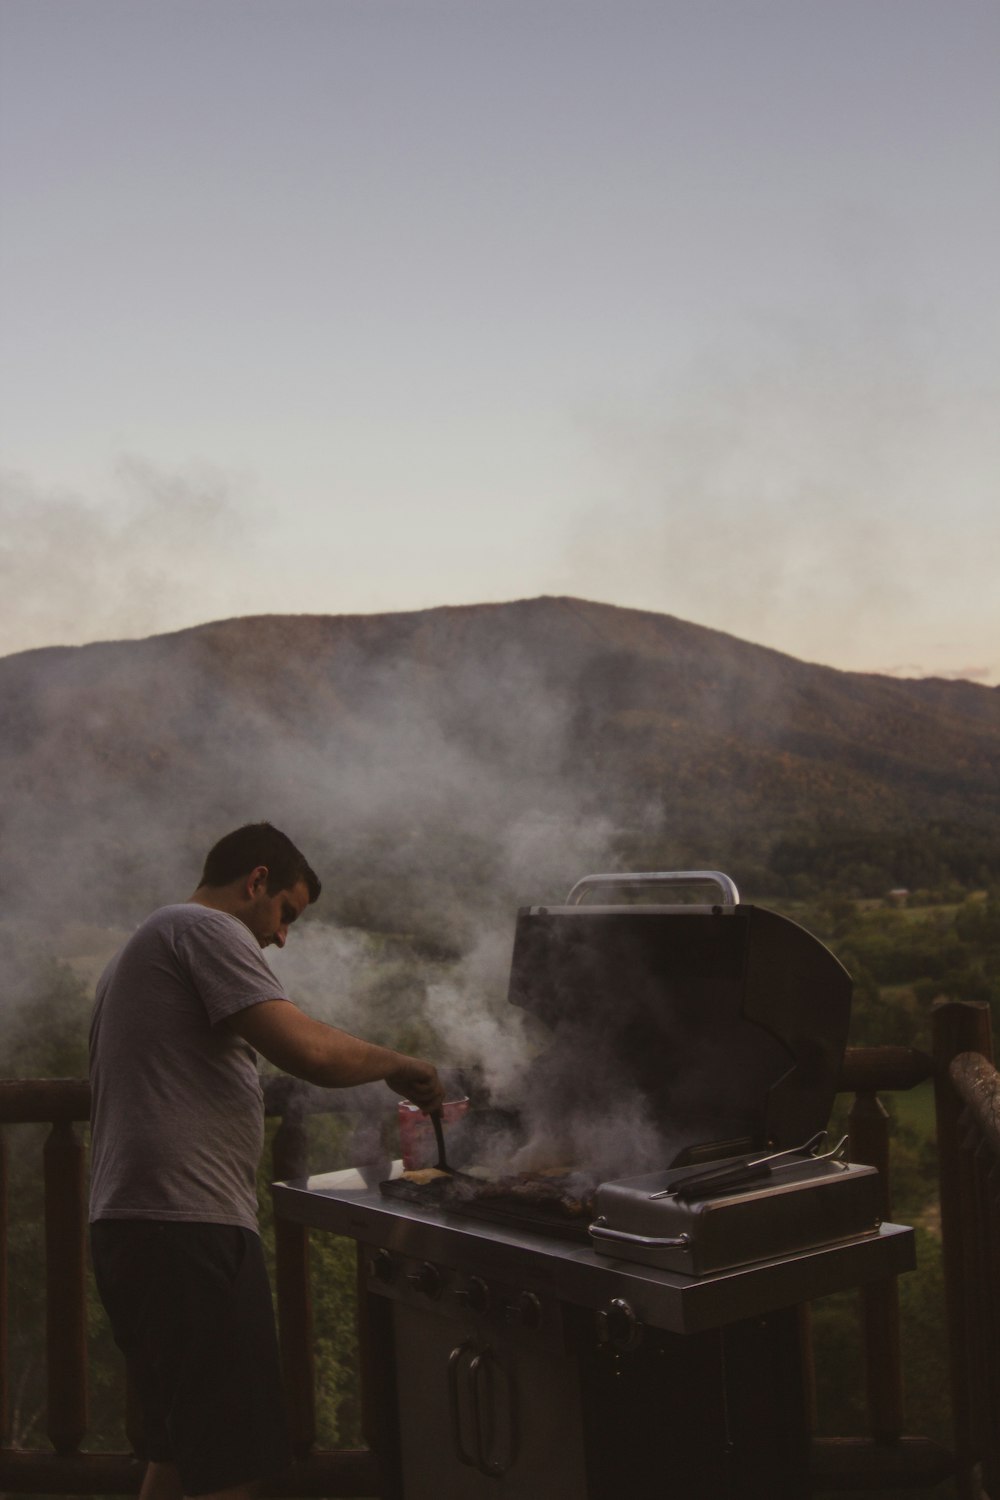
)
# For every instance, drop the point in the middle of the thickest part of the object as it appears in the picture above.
(416, 1133)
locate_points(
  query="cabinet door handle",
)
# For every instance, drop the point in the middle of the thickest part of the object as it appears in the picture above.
(492, 1465)
(455, 1358)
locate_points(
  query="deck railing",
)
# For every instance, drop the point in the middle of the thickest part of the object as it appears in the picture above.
(968, 1113)
(67, 1470)
(886, 1455)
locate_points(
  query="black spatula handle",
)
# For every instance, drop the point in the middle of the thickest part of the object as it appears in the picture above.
(436, 1121)
(710, 1183)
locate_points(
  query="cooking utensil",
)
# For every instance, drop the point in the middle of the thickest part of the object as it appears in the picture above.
(416, 1134)
(437, 1120)
(734, 1173)
(442, 1161)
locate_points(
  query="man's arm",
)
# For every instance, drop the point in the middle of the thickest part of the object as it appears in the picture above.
(334, 1059)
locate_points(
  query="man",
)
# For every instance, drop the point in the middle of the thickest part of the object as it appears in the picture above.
(177, 1129)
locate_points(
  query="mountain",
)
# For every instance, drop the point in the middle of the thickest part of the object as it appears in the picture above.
(493, 752)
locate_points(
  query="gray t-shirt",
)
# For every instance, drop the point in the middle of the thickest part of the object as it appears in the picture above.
(177, 1119)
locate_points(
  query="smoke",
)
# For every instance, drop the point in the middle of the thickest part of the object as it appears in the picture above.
(331, 972)
(468, 1010)
(614, 1138)
(425, 779)
(383, 986)
(143, 560)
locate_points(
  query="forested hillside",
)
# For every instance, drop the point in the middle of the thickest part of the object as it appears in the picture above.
(452, 764)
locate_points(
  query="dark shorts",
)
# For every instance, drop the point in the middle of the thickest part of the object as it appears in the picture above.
(190, 1308)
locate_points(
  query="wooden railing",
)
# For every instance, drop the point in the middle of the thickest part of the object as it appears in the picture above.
(961, 1051)
(968, 1113)
(66, 1470)
(886, 1456)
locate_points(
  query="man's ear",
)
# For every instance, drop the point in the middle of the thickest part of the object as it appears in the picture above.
(256, 881)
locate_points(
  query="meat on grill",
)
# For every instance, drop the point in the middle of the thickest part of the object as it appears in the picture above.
(568, 1194)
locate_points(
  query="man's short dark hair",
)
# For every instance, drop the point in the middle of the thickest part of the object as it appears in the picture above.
(255, 844)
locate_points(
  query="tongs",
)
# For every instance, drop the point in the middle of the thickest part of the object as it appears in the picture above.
(726, 1176)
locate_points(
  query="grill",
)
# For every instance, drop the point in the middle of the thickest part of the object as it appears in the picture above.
(571, 1339)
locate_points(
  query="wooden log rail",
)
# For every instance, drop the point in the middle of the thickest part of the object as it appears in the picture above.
(64, 1104)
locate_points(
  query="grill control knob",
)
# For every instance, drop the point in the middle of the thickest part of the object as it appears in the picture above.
(526, 1312)
(619, 1325)
(475, 1295)
(428, 1280)
(383, 1267)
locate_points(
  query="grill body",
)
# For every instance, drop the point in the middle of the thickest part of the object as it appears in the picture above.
(597, 1377)
(511, 1362)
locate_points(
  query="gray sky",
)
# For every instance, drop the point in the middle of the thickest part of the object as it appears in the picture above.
(352, 305)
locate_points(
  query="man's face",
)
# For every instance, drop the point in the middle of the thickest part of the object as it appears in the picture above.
(270, 917)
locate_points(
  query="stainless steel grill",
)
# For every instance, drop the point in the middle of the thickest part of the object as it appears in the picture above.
(657, 1353)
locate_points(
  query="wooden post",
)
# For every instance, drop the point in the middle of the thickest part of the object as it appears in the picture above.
(65, 1309)
(295, 1319)
(808, 1361)
(366, 1353)
(868, 1127)
(4, 1403)
(991, 1325)
(956, 1027)
(133, 1415)
(975, 1220)
(977, 1086)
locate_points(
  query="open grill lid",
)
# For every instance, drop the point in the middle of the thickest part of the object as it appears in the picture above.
(729, 1021)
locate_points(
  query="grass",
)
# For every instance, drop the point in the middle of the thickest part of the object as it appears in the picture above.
(915, 1109)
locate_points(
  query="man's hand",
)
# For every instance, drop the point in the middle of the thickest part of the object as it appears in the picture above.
(417, 1081)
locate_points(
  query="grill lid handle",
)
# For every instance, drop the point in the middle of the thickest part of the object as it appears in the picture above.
(730, 895)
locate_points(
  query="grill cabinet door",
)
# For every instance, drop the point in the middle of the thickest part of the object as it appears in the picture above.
(484, 1414)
